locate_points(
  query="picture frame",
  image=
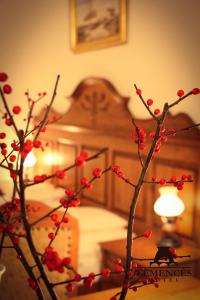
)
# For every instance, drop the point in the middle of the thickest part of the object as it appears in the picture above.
(96, 24)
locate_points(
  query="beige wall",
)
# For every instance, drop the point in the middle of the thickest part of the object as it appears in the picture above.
(161, 55)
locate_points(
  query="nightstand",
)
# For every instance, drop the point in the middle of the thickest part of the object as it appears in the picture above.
(144, 248)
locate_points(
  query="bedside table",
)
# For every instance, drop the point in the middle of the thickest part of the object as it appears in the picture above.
(144, 248)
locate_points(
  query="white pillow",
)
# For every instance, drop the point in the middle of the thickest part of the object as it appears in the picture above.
(96, 219)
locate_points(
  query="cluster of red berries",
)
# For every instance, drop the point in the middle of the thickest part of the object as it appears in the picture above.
(85, 182)
(139, 137)
(149, 102)
(60, 174)
(54, 262)
(181, 93)
(71, 201)
(39, 178)
(178, 183)
(57, 223)
(80, 160)
(97, 172)
(7, 89)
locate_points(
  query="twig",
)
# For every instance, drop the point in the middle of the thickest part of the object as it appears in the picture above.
(69, 168)
(9, 113)
(147, 107)
(58, 207)
(180, 99)
(48, 109)
(138, 144)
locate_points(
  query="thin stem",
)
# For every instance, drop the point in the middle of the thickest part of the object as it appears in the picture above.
(9, 113)
(180, 99)
(134, 202)
(58, 207)
(182, 129)
(138, 144)
(48, 109)
(147, 107)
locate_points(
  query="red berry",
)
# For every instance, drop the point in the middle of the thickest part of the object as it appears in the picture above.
(69, 287)
(2, 135)
(180, 93)
(133, 265)
(138, 92)
(60, 174)
(173, 178)
(119, 268)
(145, 281)
(147, 234)
(16, 109)
(134, 289)
(106, 272)
(7, 89)
(152, 134)
(153, 178)
(164, 138)
(12, 158)
(66, 261)
(118, 261)
(37, 144)
(156, 111)
(97, 172)
(8, 122)
(162, 181)
(3, 76)
(195, 91)
(54, 217)
(51, 235)
(77, 277)
(65, 220)
(156, 284)
(149, 102)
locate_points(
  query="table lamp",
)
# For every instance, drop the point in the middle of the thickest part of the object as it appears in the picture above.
(169, 206)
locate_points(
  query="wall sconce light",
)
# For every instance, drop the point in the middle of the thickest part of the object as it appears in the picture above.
(29, 162)
(169, 206)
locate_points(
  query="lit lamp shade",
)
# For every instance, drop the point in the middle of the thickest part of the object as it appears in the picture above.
(168, 204)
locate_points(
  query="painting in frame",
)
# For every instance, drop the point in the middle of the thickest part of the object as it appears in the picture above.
(97, 24)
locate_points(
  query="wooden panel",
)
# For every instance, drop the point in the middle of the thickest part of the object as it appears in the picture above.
(99, 193)
(185, 224)
(67, 152)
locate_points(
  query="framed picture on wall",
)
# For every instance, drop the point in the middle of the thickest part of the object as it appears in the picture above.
(97, 24)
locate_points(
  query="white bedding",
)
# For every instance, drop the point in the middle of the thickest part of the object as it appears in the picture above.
(95, 224)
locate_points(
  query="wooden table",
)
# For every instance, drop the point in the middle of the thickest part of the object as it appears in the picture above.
(184, 289)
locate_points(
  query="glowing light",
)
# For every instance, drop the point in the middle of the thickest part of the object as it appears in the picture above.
(30, 160)
(52, 159)
(168, 204)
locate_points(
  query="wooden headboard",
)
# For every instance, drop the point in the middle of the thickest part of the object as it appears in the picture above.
(98, 118)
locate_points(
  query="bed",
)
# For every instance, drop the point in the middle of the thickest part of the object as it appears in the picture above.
(99, 117)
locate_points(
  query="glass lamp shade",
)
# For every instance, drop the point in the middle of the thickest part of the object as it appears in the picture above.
(168, 204)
